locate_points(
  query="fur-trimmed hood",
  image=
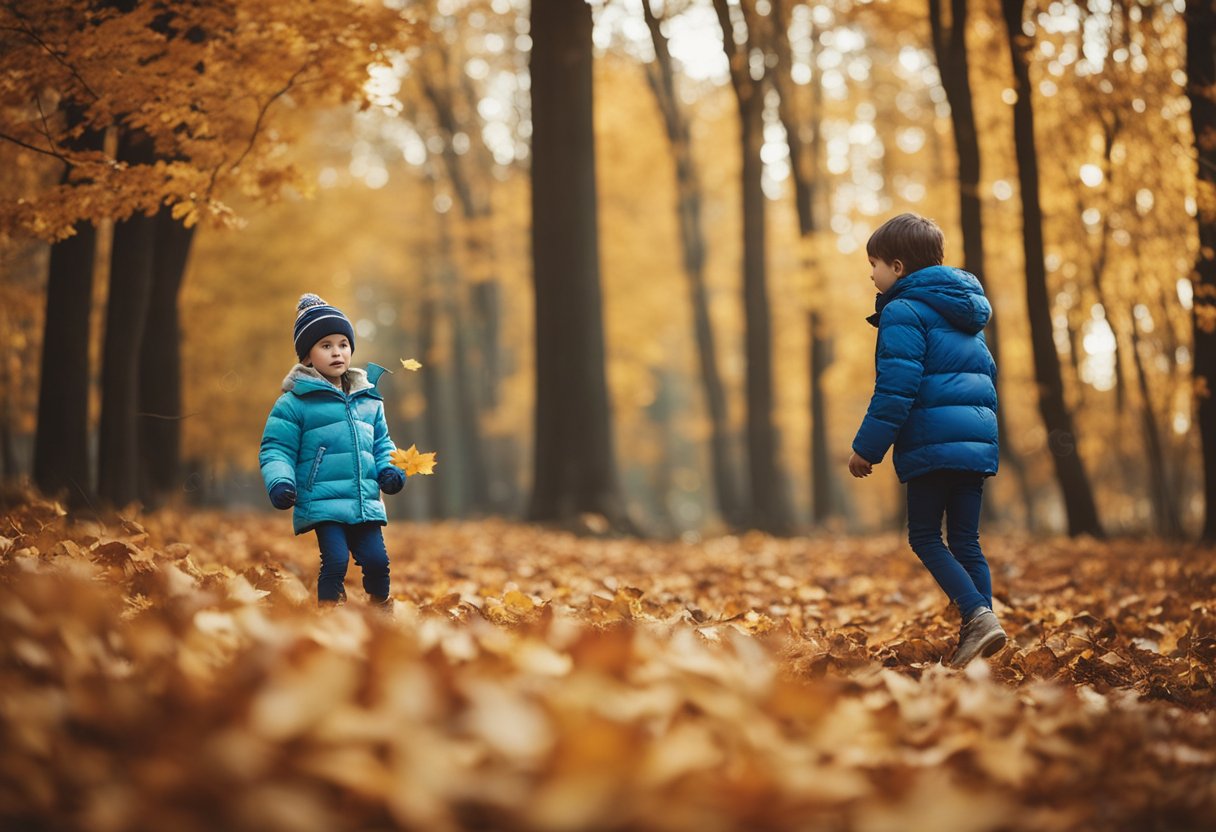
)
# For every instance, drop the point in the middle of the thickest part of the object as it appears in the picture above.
(357, 377)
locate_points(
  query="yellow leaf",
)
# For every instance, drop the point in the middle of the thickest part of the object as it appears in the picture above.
(411, 364)
(412, 462)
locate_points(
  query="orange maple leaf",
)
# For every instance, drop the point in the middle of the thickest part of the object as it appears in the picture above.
(412, 462)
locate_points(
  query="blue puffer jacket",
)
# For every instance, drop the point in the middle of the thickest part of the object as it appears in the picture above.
(330, 445)
(935, 394)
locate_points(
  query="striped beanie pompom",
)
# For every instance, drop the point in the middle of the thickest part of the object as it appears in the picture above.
(314, 320)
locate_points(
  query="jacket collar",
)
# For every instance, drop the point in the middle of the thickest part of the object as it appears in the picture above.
(301, 380)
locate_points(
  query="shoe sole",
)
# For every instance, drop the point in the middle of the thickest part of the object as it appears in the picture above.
(991, 648)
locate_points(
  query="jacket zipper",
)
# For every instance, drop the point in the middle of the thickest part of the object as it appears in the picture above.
(354, 434)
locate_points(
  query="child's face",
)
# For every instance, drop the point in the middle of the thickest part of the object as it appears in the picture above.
(885, 274)
(330, 356)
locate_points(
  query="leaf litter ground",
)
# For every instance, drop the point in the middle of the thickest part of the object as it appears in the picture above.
(172, 672)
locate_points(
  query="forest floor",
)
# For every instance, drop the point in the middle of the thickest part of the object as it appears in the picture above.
(172, 671)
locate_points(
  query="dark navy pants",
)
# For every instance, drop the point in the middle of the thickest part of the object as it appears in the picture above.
(960, 570)
(338, 541)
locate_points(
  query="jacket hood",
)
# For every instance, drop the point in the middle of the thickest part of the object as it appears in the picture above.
(308, 378)
(954, 294)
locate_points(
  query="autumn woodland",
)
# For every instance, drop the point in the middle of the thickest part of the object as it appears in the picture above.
(613, 256)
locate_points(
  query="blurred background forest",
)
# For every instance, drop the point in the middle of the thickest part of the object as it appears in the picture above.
(176, 175)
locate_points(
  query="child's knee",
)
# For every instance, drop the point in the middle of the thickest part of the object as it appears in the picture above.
(373, 560)
(924, 537)
(333, 562)
(964, 543)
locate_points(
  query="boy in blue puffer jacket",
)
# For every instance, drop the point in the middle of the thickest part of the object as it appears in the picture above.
(326, 451)
(935, 400)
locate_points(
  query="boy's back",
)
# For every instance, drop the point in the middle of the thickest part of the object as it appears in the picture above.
(935, 395)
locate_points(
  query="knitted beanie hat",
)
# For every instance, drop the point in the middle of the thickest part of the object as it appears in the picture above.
(316, 319)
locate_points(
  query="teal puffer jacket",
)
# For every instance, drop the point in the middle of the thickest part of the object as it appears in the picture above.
(330, 445)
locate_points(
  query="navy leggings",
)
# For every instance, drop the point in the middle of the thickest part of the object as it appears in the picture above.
(338, 541)
(960, 570)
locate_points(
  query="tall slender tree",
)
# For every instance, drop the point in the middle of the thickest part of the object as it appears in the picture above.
(1079, 504)
(954, 67)
(1201, 84)
(441, 84)
(749, 73)
(575, 468)
(799, 118)
(661, 76)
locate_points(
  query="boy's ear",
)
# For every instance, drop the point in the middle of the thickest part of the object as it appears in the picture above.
(897, 266)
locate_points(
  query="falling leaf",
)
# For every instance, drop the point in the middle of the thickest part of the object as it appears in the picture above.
(413, 462)
(411, 364)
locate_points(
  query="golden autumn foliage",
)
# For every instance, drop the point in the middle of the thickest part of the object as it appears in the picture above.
(196, 80)
(174, 672)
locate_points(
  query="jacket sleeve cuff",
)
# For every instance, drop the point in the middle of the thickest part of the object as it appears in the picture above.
(871, 455)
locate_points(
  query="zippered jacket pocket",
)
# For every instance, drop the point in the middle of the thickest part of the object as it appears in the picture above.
(316, 465)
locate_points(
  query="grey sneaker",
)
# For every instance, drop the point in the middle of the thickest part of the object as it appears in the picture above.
(980, 636)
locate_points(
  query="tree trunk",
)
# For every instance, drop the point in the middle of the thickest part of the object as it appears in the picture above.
(1078, 496)
(661, 76)
(468, 406)
(445, 423)
(8, 453)
(160, 383)
(61, 443)
(768, 510)
(802, 162)
(823, 489)
(476, 247)
(767, 507)
(1201, 80)
(805, 167)
(950, 47)
(1165, 508)
(445, 497)
(128, 299)
(575, 469)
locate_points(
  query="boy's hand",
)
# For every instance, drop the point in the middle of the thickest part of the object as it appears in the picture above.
(859, 467)
(391, 480)
(283, 495)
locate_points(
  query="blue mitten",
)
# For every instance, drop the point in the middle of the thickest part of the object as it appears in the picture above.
(283, 495)
(391, 480)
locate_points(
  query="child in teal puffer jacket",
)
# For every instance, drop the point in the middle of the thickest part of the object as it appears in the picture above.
(326, 451)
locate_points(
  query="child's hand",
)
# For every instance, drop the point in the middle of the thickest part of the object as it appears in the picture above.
(283, 495)
(859, 467)
(391, 480)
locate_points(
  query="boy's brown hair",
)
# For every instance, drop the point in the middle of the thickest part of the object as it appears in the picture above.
(912, 239)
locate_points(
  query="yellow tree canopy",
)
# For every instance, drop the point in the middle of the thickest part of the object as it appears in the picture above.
(197, 79)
